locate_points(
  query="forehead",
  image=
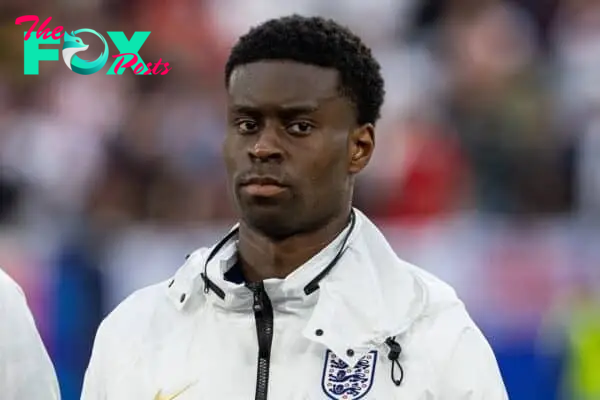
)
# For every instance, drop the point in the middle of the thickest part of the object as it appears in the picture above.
(283, 83)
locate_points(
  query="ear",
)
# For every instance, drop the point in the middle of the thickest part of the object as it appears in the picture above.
(361, 147)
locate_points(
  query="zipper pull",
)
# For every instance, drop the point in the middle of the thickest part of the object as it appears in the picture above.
(257, 294)
(257, 303)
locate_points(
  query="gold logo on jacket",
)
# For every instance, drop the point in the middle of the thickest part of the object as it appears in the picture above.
(173, 396)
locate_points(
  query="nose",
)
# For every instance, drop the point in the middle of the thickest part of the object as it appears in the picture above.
(267, 147)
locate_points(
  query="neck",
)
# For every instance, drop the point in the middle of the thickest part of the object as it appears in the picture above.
(262, 257)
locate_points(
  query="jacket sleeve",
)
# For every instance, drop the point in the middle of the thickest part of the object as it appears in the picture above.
(94, 385)
(26, 371)
(116, 338)
(472, 372)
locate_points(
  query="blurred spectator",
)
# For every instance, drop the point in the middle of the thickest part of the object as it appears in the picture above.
(577, 38)
(10, 198)
(499, 106)
(432, 179)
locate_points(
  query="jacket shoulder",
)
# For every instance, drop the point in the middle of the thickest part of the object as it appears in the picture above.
(23, 352)
(440, 294)
(134, 314)
(445, 321)
(443, 307)
(146, 308)
(13, 303)
(8, 287)
(462, 351)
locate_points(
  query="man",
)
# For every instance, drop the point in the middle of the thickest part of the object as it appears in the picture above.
(26, 371)
(304, 298)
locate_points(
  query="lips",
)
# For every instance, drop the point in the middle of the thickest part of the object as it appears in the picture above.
(262, 181)
(263, 186)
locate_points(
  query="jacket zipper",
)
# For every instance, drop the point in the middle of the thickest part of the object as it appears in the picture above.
(263, 316)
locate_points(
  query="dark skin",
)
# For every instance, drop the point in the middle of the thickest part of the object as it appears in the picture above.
(292, 150)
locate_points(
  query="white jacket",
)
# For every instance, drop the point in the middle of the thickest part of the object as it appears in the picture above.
(26, 372)
(176, 340)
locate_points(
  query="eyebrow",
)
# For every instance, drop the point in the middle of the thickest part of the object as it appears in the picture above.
(286, 110)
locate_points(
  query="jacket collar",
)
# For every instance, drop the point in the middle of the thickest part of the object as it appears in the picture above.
(367, 297)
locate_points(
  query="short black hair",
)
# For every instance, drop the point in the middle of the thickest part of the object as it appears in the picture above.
(320, 42)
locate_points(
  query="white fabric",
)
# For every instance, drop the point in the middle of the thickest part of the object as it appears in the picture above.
(160, 341)
(26, 372)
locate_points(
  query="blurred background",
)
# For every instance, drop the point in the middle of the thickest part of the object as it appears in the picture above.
(487, 169)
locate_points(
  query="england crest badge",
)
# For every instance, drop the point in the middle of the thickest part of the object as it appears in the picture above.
(342, 382)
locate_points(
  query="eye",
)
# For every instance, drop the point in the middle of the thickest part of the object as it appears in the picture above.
(246, 126)
(300, 128)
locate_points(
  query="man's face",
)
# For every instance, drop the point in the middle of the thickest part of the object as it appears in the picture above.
(291, 146)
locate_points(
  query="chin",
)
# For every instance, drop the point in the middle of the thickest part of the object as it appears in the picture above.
(274, 222)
